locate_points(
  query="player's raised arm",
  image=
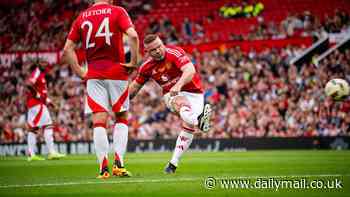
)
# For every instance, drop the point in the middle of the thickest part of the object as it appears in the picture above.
(71, 58)
(188, 71)
(30, 83)
(134, 42)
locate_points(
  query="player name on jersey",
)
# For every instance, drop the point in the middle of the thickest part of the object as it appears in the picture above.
(97, 12)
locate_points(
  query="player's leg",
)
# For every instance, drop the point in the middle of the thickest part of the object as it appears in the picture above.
(184, 103)
(97, 103)
(31, 141)
(45, 122)
(120, 138)
(181, 105)
(99, 120)
(120, 142)
(49, 140)
(33, 117)
(189, 107)
(119, 96)
(183, 142)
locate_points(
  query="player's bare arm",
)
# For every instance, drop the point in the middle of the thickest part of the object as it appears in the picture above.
(134, 47)
(134, 88)
(30, 86)
(71, 58)
(188, 71)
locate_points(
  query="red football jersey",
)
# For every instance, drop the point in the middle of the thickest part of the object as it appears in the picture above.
(38, 82)
(101, 28)
(168, 71)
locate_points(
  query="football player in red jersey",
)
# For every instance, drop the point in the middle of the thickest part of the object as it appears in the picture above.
(100, 29)
(38, 116)
(183, 93)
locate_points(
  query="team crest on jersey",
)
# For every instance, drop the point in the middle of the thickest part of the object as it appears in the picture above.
(168, 65)
(164, 67)
(165, 78)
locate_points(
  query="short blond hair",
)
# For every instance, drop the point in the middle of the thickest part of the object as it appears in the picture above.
(149, 38)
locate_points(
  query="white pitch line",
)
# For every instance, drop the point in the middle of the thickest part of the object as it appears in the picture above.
(167, 180)
(100, 182)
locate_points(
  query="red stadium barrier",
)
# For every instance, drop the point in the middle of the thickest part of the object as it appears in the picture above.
(246, 46)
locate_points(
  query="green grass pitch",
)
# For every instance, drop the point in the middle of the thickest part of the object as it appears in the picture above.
(75, 175)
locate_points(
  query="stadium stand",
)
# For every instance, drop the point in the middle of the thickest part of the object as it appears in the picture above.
(256, 93)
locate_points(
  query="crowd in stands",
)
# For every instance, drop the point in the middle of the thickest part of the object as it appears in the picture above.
(44, 24)
(298, 25)
(259, 95)
(37, 25)
(253, 94)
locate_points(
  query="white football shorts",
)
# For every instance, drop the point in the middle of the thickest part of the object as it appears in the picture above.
(196, 101)
(38, 116)
(105, 95)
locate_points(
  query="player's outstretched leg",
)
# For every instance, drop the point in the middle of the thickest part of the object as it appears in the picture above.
(31, 141)
(204, 118)
(48, 136)
(120, 141)
(182, 106)
(183, 142)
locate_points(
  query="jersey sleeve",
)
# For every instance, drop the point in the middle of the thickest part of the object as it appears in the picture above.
(179, 57)
(182, 60)
(74, 33)
(124, 21)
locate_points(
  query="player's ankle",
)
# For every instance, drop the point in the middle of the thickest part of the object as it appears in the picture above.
(118, 164)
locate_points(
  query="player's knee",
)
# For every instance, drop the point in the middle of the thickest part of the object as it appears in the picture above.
(188, 127)
(99, 118)
(48, 126)
(33, 130)
(179, 102)
(122, 115)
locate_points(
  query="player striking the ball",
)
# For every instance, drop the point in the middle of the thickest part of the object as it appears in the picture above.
(100, 28)
(183, 93)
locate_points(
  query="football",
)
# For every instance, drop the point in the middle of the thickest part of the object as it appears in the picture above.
(337, 89)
